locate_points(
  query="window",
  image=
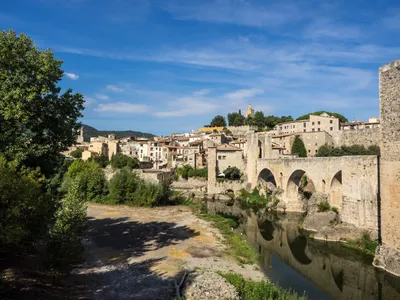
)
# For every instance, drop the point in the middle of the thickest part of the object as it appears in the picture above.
(224, 157)
(313, 123)
(304, 130)
(316, 151)
(309, 151)
(319, 129)
(313, 129)
(316, 144)
(319, 122)
(331, 121)
(331, 128)
(219, 157)
(304, 125)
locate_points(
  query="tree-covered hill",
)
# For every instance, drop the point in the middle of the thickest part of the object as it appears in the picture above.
(342, 118)
(89, 132)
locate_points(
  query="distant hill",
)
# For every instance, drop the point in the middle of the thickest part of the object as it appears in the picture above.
(89, 132)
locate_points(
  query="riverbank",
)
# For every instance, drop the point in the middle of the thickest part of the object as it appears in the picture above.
(142, 251)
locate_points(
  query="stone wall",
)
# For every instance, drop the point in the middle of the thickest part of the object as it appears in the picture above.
(222, 187)
(241, 130)
(365, 137)
(388, 256)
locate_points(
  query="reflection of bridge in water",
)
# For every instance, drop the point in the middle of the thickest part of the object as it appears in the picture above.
(339, 272)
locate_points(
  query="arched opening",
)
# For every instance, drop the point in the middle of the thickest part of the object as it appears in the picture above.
(267, 229)
(259, 149)
(297, 245)
(336, 190)
(299, 187)
(266, 181)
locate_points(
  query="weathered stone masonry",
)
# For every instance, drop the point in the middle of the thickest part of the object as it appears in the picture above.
(388, 256)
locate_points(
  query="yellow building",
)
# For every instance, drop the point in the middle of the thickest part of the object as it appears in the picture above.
(210, 129)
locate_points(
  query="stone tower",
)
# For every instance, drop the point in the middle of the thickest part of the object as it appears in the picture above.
(249, 111)
(388, 255)
(80, 139)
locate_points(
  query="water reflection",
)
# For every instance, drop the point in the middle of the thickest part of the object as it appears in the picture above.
(324, 270)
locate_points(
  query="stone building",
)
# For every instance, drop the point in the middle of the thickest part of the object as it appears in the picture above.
(323, 122)
(229, 156)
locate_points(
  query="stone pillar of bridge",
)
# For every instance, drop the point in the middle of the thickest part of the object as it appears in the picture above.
(268, 146)
(388, 254)
(252, 158)
(212, 169)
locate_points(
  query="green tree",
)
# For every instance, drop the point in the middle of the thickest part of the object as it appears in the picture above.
(93, 183)
(120, 161)
(298, 147)
(37, 120)
(101, 160)
(77, 153)
(341, 118)
(232, 173)
(259, 120)
(236, 119)
(184, 171)
(218, 121)
(65, 246)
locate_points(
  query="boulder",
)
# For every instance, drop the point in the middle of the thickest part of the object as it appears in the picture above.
(316, 221)
(208, 286)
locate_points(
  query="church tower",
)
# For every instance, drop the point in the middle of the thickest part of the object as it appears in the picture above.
(249, 111)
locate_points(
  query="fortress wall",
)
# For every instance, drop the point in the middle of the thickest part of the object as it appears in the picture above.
(365, 137)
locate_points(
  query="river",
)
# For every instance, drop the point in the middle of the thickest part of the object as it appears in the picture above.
(322, 270)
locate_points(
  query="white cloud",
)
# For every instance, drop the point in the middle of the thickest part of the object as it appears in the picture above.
(72, 76)
(201, 92)
(89, 101)
(102, 97)
(114, 88)
(123, 107)
(201, 105)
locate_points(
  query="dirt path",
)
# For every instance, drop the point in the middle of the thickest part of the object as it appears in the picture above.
(136, 253)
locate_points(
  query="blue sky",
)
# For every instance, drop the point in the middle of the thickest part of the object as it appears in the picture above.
(166, 66)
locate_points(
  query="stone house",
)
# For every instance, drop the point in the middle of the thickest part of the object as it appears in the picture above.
(227, 156)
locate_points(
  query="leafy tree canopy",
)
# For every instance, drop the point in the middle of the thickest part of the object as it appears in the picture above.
(37, 120)
(298, 147)
(218, 121)
(120, 161)
(236, 119)
(77, 153)
(342, 118)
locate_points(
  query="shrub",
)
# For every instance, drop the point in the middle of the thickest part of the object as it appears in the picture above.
(202, 173)
(127, 188)
(24, 209)
(365, 244)
(232, 173)
(184, 171)
(254, 200)
(120, 161)
(77, 153)
(326, 151)
(298, 147)
(101, 160)
(335, 209)
(64, 245)
(252, 290)
(324, 206)
(93, 183)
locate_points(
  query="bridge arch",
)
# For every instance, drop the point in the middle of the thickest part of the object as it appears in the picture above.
(266, 175)
(299, 186)
(336, 191)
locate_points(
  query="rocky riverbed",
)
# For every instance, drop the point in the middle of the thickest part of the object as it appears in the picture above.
(139, 253)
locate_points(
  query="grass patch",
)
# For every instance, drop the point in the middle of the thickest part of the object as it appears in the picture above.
(365, 244)
(324, 206)
(254, 290)
(237, 246)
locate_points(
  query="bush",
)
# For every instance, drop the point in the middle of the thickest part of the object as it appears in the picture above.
(77, 153)
(254, 200)
(120, 161)
(24, 209)
(93, 183)
(327, 151)
(232, 173)
(202, 173)
(101, 160)
(64, 245)
(127, 188)
(298, 147)
(184, 171)
(365, 244)
(324, 206)
(252, 290)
